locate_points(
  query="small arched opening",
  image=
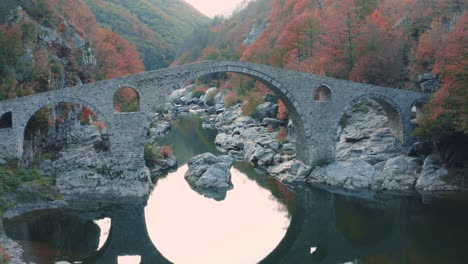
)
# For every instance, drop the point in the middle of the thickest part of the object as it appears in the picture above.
(126, 100)
(369, 129)
(322, 94)
(6, 120)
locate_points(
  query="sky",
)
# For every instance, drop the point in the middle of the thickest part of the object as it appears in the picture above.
(214, 7)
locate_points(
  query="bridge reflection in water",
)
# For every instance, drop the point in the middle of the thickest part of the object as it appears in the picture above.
(340, 228)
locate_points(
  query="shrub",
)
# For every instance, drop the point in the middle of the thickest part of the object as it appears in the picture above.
(199, 91)
(252, 101)
(282, 135)
(151, 154)
(4, 257)
(283, 113)
(230, 99)
(210, 100)
(166, 151)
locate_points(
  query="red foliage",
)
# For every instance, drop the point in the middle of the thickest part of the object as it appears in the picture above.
(452, 65)
(128, 94)
(282, 135)
(230, 98)
(117, 56)
(166, 151)
(100, 126)
(283, 113)
(58, 120)
(4, 255)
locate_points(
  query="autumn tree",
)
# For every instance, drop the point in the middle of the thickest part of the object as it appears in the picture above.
(447, 112)
(117, 57)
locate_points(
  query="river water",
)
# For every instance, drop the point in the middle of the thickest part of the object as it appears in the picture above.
(260, 220)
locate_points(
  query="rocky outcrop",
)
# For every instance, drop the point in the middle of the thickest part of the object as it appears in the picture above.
(435, 176)
(83, 172)
(428, 82)
(254, 33)
(210, 175)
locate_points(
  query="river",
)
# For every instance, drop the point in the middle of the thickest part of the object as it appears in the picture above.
(260, 220)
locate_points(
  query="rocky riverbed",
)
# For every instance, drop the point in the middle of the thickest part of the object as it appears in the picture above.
(368, 156)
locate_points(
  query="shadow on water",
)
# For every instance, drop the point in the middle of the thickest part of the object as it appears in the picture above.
(53, 235)
(333, 228)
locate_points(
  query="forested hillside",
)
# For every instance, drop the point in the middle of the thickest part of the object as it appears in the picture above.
(383, 42)
(157, 27)
(50, 44)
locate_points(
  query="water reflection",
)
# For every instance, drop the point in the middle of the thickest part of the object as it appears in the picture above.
(340, 229)
(190, 228)
(376, 229)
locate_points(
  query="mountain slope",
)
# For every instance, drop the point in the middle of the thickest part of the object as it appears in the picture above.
(157, 27)
(383, 42)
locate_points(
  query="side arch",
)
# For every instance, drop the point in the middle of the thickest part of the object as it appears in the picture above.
(21, 129)
(138, 93)
(296, 112)
(391, 108)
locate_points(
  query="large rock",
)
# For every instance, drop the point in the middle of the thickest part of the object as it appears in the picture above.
(83, 172)
(347, 174)
(399, 173)
(266, 109)
(434, 176)
(290, 171)
(210, 175)
(429, 82)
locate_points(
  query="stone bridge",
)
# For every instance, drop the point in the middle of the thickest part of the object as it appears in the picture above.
(316, 105)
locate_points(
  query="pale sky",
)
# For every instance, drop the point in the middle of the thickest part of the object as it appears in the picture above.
(214, 7)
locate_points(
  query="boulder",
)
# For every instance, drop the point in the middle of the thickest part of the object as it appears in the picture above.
(399, 173)
(429, 82)
(210, 175)
(290, 171)
(267, 109)
(82, 172)
(430, 86)
(289, 149)
(435, 176)
(420, 149)
(212, 91)
(3, 162)
(272, 122)
(347, 174)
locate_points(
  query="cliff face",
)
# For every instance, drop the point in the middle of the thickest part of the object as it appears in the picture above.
(41, 50)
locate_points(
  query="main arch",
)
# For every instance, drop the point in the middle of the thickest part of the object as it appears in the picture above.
(296, 112)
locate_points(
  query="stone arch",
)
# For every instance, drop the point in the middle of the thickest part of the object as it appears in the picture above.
(6, 120)
(322, 93)
(132, 108)
(391, 109)
(21, 129)
(296, 112)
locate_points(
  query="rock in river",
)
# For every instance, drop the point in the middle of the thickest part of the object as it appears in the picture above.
(210, 175)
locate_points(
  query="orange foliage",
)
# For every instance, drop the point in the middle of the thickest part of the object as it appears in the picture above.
(100, 125)
(166, 151)
(282, 135)
(230, 98)
(283, 113)
(128, 94)
(117, 56)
